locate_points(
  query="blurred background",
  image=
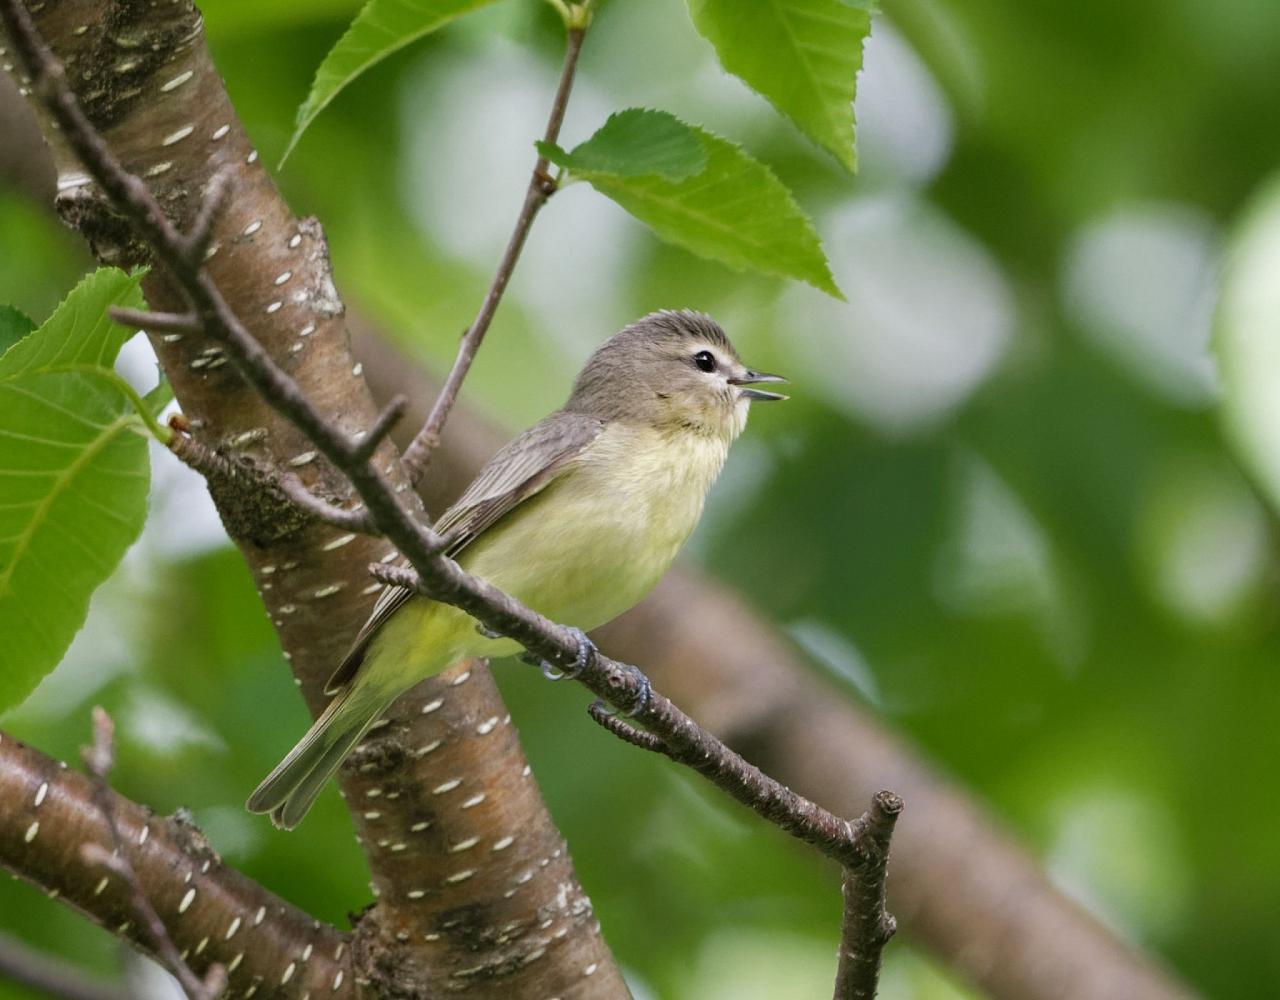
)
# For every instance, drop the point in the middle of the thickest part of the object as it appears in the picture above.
(1001, 508)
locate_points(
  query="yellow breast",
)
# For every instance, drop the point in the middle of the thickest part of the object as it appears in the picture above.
(596, 541)
(584, 550)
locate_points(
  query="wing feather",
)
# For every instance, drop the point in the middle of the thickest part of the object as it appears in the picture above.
(518, 471)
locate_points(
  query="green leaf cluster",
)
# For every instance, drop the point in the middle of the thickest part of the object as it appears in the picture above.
(691, 187)
(73, 472)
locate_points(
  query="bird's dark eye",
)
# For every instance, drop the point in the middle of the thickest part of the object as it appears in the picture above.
(705, 360)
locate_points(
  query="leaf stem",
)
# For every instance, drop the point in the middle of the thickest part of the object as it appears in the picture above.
(158, 430)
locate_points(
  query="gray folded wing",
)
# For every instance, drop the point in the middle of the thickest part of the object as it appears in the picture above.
(519, 470)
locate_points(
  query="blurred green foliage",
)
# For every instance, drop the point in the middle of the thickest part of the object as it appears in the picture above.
(1000, 505)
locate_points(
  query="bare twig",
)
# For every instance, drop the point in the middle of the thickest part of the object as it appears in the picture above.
(100, 758)
(387, 419)
(55, 977)
(159, 322)
(867, 928)
(541, 186)
(347, 520)
(215, 197)
(214, 464)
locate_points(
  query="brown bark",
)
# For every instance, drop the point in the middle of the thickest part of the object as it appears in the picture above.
(476, 892)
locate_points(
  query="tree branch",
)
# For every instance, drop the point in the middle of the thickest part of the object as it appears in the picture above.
(49, 815)
(541, 186)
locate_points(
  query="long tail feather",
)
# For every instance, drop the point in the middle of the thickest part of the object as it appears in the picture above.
(289, 790)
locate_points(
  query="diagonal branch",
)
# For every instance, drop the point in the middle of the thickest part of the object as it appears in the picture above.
(50, 814)
(628, 690)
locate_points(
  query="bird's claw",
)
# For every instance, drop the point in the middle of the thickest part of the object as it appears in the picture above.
(487, 632)
(586, 649)
(646, 694)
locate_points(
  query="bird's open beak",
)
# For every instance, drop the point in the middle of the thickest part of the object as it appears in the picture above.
(750, 377)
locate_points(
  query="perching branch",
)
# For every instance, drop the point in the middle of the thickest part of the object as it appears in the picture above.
(437, 576)
(627, 689)
(50, 814)
(541, 186)
(100, 758)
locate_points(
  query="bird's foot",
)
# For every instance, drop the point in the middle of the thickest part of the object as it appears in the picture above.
(586, 649)
(487, 632)
(645, 695)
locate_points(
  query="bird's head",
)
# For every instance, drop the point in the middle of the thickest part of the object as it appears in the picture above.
(674, 370)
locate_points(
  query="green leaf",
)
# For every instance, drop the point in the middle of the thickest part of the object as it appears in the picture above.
(381, 28)
(635, 143)
(733, 209)
(79, 334)
(73, 476)
(803, 55)
(14, 325)
(1245, 340)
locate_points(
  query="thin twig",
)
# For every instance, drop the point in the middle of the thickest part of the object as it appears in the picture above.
(201, 234)
(382, 426)
(867, 927)
(56, 977)
(345, 520)
(541, 186)
(99, 758)
(159, 322)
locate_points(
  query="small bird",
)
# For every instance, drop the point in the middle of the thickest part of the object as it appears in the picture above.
(578, 518)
